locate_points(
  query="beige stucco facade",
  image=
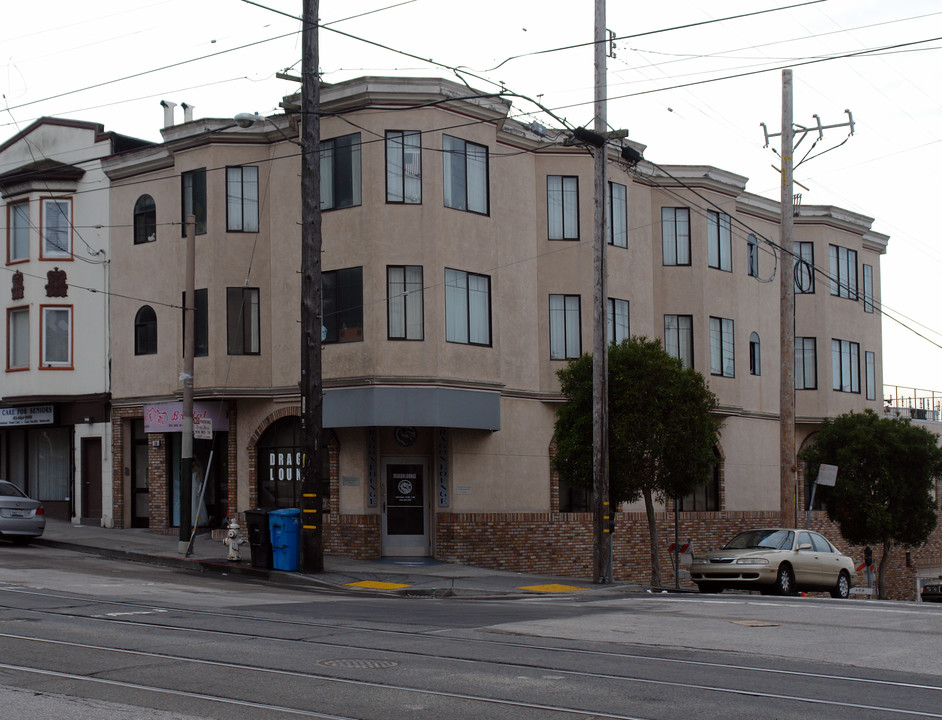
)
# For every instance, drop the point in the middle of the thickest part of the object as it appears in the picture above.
(477, 418)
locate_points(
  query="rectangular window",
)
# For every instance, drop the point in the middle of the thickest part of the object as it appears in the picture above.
(719, 241)
(56, 228)
(617, 215)
(755, 355)
(870, 363)
(242, 321)
(343, 305)
(722, 355)
(845, 366)
(56, 336)
(752, 256)
(678, 338)
(17, 232)
(565, 327)
(404, 166)
(465, 175)
(804, 271)
(843, 272)
(242, 199)
(467, 308)
(619, 327)
(404, 307)
(17, 338)
(806, 363)
(193, 194)
(562, 207)
(868, 288)
(201, 324)
(340, 172)
(675, 236)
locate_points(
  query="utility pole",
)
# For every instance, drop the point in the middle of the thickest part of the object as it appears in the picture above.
(186, 441)
(787, 319)
(602, 510)
(312, 401)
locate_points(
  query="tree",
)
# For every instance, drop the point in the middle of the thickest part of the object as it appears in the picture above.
(662, 431)
(885, 472)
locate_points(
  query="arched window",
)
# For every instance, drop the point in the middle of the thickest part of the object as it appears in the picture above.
(145, 331)
(279, 464)
(145, 220)
(755, 366)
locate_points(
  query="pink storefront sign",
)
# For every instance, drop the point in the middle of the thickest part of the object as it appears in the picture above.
(168, 417)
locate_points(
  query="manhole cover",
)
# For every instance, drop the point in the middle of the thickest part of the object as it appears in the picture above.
(358, 664)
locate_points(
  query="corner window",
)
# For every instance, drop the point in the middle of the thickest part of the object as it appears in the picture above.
(843, 272)
(404, 167)
(467, 308)
(678, 338)
(18, 338)
(868, 288)
(565, 327)
(201, 322)
(618, 321)
(145, 331)
(56, 228)
(343, 305)
(242, 199)
(242, 321)
(806, 363)
(465, 183)
(562, 207)
(17, 232)
(56, 336)
(340, 172)
(804, 268)
(722, 352)
(675, 236)
(617, 215)
(752, 256)
(845, 366)
(193, 199)
(145, 220)
(405, 300)
(870, 363)
(719, 241)
(755, 364)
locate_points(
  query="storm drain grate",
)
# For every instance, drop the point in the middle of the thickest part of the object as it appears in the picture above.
(358, 664)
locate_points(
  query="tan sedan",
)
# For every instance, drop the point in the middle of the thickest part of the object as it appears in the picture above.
(775, 560)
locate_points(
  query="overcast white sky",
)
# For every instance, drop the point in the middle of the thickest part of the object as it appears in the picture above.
(67, 59)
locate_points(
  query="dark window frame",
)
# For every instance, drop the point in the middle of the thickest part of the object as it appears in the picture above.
(564, 220)
(398, 196)
(245, 220)
(469, 306)
(243, 328)
(458, 181)
(341, 164)
(145, 220)
(193, 200)
(145, 331)
(569, 333)
(719, 241)
(675, 241)
(200, 324)
(613, 335)
(408, 298)
(342, 298)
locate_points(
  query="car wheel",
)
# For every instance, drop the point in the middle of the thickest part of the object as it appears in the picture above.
(842, 589)
(785, 580)
(711, 588)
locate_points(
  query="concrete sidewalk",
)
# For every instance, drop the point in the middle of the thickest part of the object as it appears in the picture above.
(393, 576)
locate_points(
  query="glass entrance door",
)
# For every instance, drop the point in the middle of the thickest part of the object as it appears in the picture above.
(405, 508)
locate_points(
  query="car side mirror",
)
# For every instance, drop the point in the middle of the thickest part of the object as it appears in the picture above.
(804, 546)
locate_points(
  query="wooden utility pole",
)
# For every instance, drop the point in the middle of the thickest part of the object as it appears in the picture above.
(186, 440)
(789, 494)
(602, 510)
(312, 402)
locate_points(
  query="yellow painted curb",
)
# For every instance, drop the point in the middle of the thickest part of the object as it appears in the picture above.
(374, 585)
(551, 588)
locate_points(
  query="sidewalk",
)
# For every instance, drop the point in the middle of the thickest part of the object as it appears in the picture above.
(393, 576)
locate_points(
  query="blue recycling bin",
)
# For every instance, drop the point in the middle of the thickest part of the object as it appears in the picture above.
(285, 527)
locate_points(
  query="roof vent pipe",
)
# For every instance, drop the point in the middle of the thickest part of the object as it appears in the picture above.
(168, 112)
(187, 112)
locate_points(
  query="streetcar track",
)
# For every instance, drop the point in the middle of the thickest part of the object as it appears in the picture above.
(430, 635)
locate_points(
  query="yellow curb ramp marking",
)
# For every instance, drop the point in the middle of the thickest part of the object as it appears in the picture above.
(553, 587)
(375, 585)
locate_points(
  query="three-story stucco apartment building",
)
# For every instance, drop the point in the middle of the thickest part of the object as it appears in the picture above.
(457, 258)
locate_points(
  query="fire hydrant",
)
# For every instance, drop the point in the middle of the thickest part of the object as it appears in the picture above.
(233, 539)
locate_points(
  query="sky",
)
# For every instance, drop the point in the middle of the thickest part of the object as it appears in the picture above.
(689, 80)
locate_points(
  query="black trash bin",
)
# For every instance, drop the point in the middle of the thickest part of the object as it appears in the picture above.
(256, 522)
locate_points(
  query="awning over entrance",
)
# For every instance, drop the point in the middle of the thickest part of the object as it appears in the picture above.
(421, 407)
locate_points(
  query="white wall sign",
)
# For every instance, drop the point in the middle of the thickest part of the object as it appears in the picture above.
(36, 415)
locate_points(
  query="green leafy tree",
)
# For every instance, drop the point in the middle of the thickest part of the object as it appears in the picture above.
(885, 472)
(662, 431)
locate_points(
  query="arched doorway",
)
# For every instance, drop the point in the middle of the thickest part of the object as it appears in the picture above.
(278, 465)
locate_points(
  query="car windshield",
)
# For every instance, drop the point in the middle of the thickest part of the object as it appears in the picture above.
(10, 490)
(769, 539)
